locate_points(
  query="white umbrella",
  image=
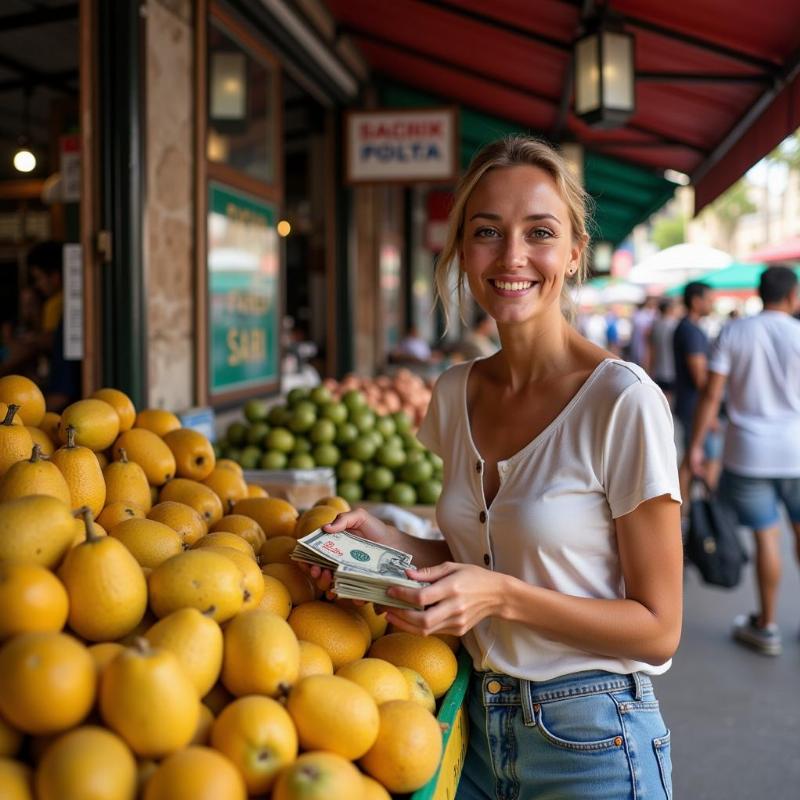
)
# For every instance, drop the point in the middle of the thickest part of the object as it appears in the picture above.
(678, 264)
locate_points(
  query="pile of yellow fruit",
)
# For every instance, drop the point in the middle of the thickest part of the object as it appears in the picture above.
(156, 640)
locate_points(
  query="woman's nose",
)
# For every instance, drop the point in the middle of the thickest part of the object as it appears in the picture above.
(514, 252)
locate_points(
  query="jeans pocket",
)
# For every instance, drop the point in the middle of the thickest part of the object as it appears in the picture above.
(587, 724)
(661, 745)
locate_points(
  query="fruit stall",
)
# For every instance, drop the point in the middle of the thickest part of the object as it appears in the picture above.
(158, 640)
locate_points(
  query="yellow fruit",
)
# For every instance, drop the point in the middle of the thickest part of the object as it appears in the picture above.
(157, 421)
(196, 773)
(89, 763)
(126, 482)
(38, 529)
(300, 586)
(23, 392)
(154, 492)
(314, 660)
(217, 699)
(451, 640)
(377, 623)
(147, 621)
(13, 419)
(117, 512)
(102, 459)
(16, 780)
(151, 543)
(34, 476)
(319, 776)
(256, 491)
(96, 424)
(148, 699)
(229, 463)
(418, 689)
(227, 485)
(183, 519)
(103, 654)
(316, 705)
(80, 531)
(224, 539)
(344, 636)
(194, 455)
(10, 741)
(202, 499)
(196, 640)
(199, 579)
(275, 516)
(261, 654)
(48, 682)
(258, 736)
(373, 790)
(38, 436)
(252, 578)
(15, 441)
(408, 749)
(107, 590)
(31, 599)
(202, 733)
(49, 425)
(242, 526)
(276, 597)
(429, 656)
(382, 680)
(121, 403)
(278, 550)
(313, 519)
(334, 501)
(147, 450)
(81, 471)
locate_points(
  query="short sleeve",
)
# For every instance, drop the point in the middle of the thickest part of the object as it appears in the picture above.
(639, 457)
(720, 359)
(430, 432)
(696, 341)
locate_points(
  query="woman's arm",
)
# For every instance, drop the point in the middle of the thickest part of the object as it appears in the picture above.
(644, 626)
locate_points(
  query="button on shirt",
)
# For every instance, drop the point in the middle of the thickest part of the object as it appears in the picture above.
(551, 523)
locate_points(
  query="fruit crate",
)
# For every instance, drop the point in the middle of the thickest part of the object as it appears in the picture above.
(301, 487)
(453, 715)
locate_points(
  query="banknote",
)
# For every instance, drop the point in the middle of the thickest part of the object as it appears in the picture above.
(356, 584)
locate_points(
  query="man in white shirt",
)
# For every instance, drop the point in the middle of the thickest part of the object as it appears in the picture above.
(758, 358)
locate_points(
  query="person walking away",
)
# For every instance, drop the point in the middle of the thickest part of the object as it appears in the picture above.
(660, 362)
(480, 341)
(641, 322)
(758, 360)
(561, 564)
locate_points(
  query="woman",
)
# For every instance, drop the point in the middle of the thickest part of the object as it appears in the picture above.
(562, 563)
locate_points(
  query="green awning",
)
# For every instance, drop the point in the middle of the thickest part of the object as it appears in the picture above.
(734, 276)
(625, 195)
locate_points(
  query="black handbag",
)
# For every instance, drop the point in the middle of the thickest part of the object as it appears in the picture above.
(712, 541)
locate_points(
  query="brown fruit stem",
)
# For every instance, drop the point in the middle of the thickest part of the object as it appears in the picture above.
(142, 646)
(123, 456)
(71, 434)
(12, 410)
(36, 454)
(86, 513)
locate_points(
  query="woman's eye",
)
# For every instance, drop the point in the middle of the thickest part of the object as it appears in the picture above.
(541, 233)
(486, 233)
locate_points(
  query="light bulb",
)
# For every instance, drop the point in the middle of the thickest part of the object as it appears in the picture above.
(284, 228)
(24, 160)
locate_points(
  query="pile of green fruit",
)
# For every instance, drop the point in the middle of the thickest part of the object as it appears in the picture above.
(376, 457)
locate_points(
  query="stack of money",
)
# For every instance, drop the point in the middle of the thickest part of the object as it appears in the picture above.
(362, 570)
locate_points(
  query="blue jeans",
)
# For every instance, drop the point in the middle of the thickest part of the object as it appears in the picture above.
(756, 499)
(585, 736)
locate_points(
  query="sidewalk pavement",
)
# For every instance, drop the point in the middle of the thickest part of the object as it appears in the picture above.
(734, 714)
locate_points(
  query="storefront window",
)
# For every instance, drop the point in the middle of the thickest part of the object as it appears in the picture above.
(241, 107)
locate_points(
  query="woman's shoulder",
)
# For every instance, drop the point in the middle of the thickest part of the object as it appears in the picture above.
(451, 381)
(615, 378)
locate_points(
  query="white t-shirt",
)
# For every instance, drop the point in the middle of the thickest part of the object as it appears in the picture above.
(761, 357)
(551, 523)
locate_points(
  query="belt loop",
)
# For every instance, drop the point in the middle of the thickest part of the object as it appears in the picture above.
(527, 702)
(637, 682)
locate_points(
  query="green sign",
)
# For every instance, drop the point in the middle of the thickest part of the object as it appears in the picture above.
(243, 285)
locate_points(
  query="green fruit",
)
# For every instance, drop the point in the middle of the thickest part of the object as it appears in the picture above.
(376, 437)
(385, 426)
(280, 439)
(236, 432)
(326, 455)
(323, 432)
(438, 474)
(378, 479)
(402, 422)
(350, 470)
(233, 453)
(296, 396)
(363, 419)
(273, 459)
(301, 461)
(346, 433)
(301, 445)
(428, 492)
(410, 442)
(374, 497)
(417, 471)
(218, 448)
(390, 457)
(256, 433)
(362, 449)
(354, 400)
(402, 494)
(279, 416)
(435, 460)
(350, 491)
(255, 410)
(396, 442)
(335, 412)
(303, 417)
(320, 395)
(250, 457)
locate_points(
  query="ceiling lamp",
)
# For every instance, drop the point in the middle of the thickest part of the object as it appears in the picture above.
(24, 159)
(604, 74)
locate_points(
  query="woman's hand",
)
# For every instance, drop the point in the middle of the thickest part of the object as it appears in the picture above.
(458, 598)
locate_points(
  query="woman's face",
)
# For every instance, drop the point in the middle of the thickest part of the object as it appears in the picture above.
(517, 244)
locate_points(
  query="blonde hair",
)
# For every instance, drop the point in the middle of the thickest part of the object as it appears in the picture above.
(512, 151)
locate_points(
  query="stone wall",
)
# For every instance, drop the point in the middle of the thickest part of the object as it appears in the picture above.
(169, 270)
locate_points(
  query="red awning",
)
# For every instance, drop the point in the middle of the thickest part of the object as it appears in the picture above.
(717, 81)
(785, 251)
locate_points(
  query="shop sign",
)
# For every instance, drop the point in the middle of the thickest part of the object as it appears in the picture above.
(70, 168)
(243, 292)
(405, 146)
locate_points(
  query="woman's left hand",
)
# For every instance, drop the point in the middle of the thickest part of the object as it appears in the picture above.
(458, 598)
